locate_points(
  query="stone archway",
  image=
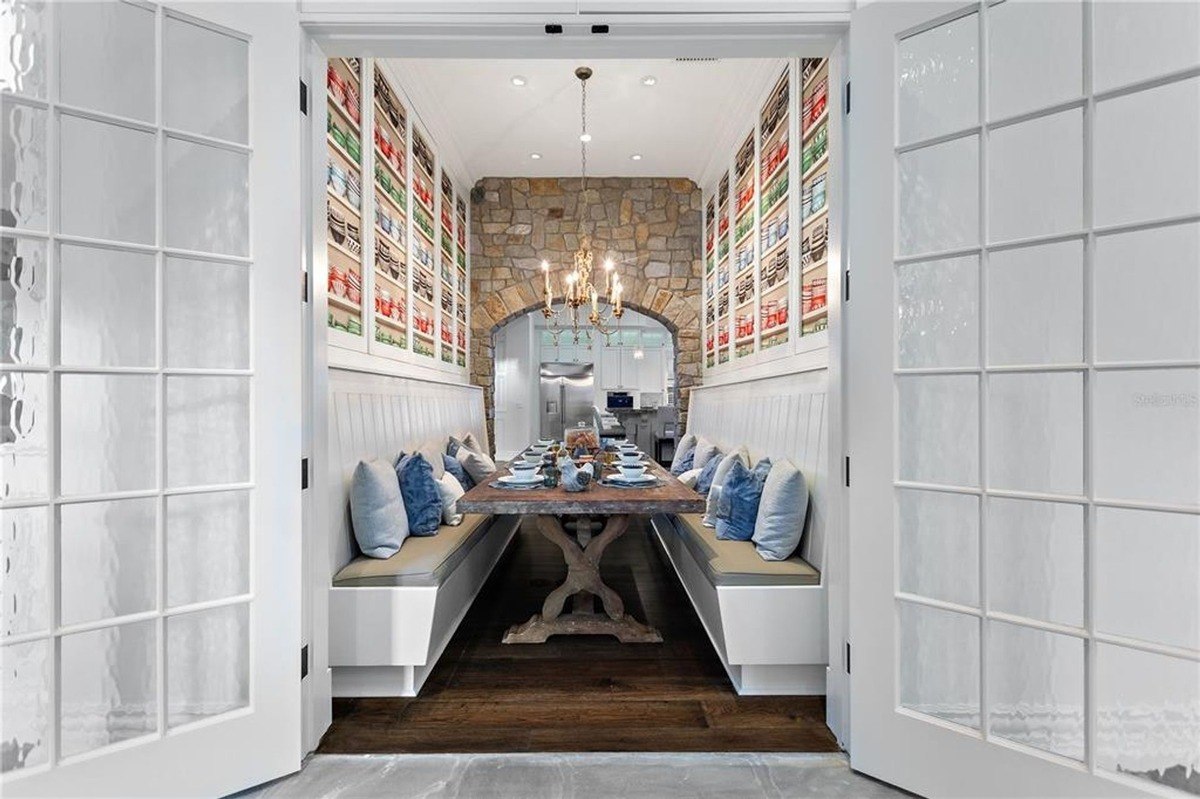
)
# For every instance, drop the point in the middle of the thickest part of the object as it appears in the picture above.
(651, 226)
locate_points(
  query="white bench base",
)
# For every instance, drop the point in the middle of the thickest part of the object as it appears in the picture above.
(770, 638)
(385, 640)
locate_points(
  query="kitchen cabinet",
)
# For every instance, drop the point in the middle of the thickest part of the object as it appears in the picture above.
(610, 368)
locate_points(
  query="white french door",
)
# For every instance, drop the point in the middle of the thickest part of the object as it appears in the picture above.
(150, 415)
(1023, 379)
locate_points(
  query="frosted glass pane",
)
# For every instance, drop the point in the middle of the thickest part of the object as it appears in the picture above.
(106, 58)
(208, 663)
(1165, 32)
(107, 556)
(22, 165)
(1147, 434)
(205, 81)
(1035, 432)
(24, 556)
(939, 545)
(208, 430)
(1035, 177)
(208, 546)
(1148, 575)
(107, 313)
(207, 314)
(1035, 52)
(25, 704)
(1160, 177)
(939, 197)
(939, 663)
(938, 80)
(1035, 688)
(24, 419)
(1035, 559)
(1147, 715)
(1161, 294)
(207, 205)
(107, 178)
(938, 313)
(1035, 305)
(24, 27)
(108, 686)
(938, 429)
(22, 301)
(108, 438)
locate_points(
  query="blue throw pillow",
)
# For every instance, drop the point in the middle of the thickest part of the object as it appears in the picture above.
(737, 507)
(685, 463)
(422, 502)
(460, 474)
(705, 480)
(377, 509)
(452, 447)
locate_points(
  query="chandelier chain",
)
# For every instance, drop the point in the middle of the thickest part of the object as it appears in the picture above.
(583, 143)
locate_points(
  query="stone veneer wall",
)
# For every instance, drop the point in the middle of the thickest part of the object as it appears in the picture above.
(650, 226)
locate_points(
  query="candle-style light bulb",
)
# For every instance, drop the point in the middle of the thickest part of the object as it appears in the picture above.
(608, 276)
(546, 276)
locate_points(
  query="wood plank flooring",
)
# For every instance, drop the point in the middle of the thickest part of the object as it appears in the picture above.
(581, 693)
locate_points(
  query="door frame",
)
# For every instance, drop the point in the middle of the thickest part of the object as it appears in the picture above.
(680, 28)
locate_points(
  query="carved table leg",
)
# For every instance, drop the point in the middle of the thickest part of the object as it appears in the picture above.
(583, 581)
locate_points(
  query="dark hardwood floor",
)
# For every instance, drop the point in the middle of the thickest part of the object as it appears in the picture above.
(579, 693)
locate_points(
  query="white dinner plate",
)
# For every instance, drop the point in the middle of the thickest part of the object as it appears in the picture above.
(644, 478)
(512, 479)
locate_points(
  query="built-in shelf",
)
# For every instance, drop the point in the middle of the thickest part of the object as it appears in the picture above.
(815, 313)
(345, 116)
(333, 245)
(817, 166)
(774, 248)
(811, 218)
(343, 303)
(342, 201)
(816, 124)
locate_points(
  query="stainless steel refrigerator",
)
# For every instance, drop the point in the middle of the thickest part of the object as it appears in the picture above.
(566, 397)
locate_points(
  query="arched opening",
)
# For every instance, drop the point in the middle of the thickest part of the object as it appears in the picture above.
(632, 373)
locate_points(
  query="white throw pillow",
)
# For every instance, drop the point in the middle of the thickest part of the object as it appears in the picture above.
(705, 450)
(432, 450)
(688, 478)
(477, 464)
(714, 491)
(449, 490)
(472, 443)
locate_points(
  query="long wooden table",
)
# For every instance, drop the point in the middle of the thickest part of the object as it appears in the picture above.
(582, 551)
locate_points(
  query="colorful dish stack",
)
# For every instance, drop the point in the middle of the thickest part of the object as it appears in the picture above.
(774, 168)
(446, 273)
(460, 280)
(744, 261)
(423, 249)
(814, 166)
(723, 269)
(710, 281)
(343, 186)
(391, 215)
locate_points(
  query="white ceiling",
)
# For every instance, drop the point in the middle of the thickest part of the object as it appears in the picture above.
(495, 125)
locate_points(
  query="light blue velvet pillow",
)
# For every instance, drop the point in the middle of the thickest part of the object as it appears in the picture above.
(705, 480)
(377, 509)
(421, 498)
(460, 474)
(737, 506)
(781, 513)
(684, 463)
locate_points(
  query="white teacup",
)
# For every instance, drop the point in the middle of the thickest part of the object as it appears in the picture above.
(525, 471)
(533, 457)
(631, 471)
(544, 443)
(631, 458)
(627, 445)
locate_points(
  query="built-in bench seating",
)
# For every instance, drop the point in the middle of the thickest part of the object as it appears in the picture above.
(390, 619)
(767, 620)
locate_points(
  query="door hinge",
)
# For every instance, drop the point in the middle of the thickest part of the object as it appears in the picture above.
(303, 98)
(304, 286)
(847, 657)
(303, 473)
(846, 286)
(304, 661)
(847, 98)
(847, 471)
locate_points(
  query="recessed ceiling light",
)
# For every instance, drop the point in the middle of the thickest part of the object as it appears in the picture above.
(636, 157)
(535, 156)
(649, 80)
(585, 137)
(518, 80)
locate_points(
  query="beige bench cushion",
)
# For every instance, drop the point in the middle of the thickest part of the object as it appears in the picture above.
(737, 562)
(421, 560)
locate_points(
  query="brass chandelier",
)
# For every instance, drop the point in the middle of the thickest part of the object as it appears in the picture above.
(579, 290)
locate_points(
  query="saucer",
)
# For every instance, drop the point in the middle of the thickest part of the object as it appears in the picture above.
(512, 479)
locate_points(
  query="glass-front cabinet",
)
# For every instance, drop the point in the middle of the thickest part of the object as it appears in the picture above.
(765, 286)
(412, 259)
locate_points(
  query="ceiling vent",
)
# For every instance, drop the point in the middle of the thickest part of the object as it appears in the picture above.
(697, 60)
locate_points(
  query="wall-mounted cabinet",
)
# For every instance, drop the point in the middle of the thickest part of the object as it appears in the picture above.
(411, 259)
(765, 286)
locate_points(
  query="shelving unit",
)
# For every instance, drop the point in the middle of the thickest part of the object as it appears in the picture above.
(418, 273)
(343, 189)
(775, 169)
(814, 207)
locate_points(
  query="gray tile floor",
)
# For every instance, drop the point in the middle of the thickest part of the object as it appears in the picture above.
(575, 776)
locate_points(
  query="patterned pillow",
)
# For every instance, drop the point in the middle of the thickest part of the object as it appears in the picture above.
(737, 505)
(453, 445)
(707, 473)
(455, 468)
(422, 501)
(686, 444)
(714, 491)
(683, 464)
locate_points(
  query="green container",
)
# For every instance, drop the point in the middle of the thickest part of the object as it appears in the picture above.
(339, 136)
(354, 148)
